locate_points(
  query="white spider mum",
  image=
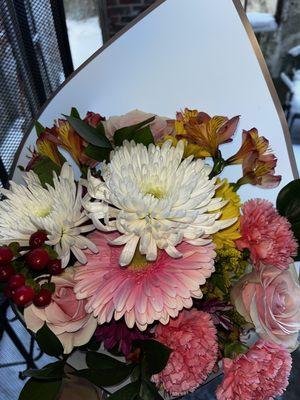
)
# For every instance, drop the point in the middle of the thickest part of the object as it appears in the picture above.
(57, 210)
(155, 199)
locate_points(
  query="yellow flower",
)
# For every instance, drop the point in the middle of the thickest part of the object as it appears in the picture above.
(182, 118)
(230, 265)
(227, 236)
(69, 139)
(46, 147)
(190, 149)
(63, 135)
(252, 142)
(203, 133)
(230, 261)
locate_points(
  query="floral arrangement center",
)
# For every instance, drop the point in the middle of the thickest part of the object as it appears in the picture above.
(155, 199)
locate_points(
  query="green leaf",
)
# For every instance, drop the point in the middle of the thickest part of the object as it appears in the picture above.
(39, 128)
(19, 264)
(140, 133)
(74, 112)
(48, 342)
(218, 281)
(93, 344)
(136, 127)
(15, 247)
(97, 153)
(105, 377)
(149, 391)
(128, 392)
(155, 355)
(53, 371)
(52, 253)
(288, 205)
(232, 350)
(37, 390)
(99, 361)
(49, 285)
(288, 201)
(44, 168)
(95, 136)
(30, 281)
(105, 370)
(144, 136)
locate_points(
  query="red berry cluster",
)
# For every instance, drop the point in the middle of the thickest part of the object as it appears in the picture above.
(20, 286)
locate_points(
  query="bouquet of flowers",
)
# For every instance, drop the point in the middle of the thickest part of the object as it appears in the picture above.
(128, 244)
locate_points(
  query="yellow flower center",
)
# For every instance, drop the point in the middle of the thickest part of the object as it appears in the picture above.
(138, 262)
(43, 212)
(155, 190)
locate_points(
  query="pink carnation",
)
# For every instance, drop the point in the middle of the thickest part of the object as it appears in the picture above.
(261, 374)
(193, 338)
(266, 234)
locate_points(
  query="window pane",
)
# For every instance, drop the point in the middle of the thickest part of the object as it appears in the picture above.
(263, 6)
(84, 31)
(244, 3)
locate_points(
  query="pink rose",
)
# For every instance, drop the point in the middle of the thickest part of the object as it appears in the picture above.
(158, 126)
(65, 315)
(270, 299)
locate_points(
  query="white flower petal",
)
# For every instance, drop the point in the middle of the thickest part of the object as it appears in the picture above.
(57, 210)
(128, 251)
(152, 196)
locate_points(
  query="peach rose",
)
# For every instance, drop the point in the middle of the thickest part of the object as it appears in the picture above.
(270, 299)
(65, 315)
(158, 126)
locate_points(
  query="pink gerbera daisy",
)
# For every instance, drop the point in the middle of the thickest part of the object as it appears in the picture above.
(145, 291)
(266, 234)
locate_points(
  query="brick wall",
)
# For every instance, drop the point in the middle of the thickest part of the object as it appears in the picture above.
(120, 12)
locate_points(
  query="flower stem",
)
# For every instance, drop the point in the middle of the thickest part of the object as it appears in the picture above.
(219, 165)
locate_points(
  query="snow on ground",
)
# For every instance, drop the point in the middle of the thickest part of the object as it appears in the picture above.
(85, 38)
(262, 22)
(295, 51)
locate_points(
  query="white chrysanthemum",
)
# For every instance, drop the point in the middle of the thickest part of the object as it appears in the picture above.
(154, 198)
(57, 210)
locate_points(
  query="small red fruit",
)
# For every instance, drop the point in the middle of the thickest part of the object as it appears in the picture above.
(23, 295)
(37, 258)
(6, 255)
(6, 272)
(37, 239)
(54, 267)
(16, 281)
(8, 292)
(43, 298)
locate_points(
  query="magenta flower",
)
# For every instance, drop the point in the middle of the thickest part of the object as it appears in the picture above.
(116, 333)
(193, 340)
(261, 374)
(266, 234)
